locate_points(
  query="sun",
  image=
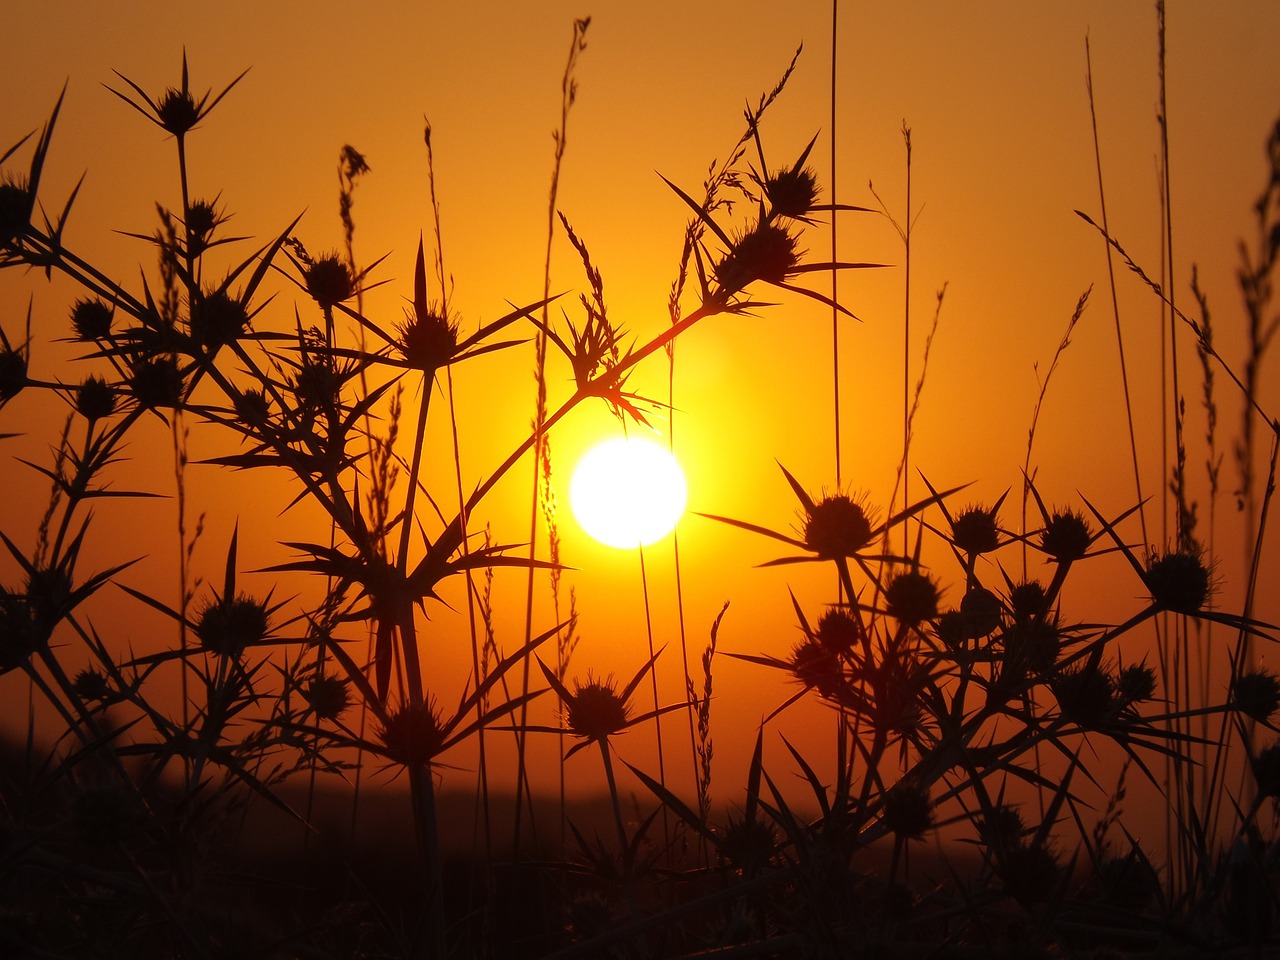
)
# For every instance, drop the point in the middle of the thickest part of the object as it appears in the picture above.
(627, 492)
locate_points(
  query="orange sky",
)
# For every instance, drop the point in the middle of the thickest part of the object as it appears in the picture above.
(994, 95)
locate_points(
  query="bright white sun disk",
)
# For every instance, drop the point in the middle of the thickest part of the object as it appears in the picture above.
(627, 492)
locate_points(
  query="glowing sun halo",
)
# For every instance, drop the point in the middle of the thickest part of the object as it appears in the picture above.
(627, 492)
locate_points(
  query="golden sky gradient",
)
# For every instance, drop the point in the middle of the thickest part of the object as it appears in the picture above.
(994, 95)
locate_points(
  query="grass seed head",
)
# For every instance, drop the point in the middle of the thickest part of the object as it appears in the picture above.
(91, 319)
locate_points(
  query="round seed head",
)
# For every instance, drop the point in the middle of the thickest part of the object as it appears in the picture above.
(981, 610)
(816, 665)
(91, 319)
(178, 112)
(1032, 644)
(428, 341)
(91, 686)
(1085, 696)
(16, 206)
(1136, 683)
(1266, 771)
(327, 696)
(596, 710)
(1178, 581)
(838, 630)
(912, 597)
(252, 406)
(413, 736)
(837, 526)
(328, 279)
(217, 319)
(1256, 694)
(748, 843)
(13, 373)
(975, 531)
(95, 399)
(791, 192)
(1066, 537)
(766, 252)
(1028, 600)
(908, 811)
(228, 625)
(156, 382)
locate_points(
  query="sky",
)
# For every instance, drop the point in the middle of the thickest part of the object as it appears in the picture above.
(994, 96)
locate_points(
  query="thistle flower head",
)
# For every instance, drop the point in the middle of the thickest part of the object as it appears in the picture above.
(1136, 683)
(91, 686)
(413, 735)
(16, 206)
(427, 339)
(95, 398)
(177, 111)
(328, 280)
(156, 382)
(908, 811)
(792, 191)
(1178, 581)
(981, 610)
(912, 597)
(765, 252)
(91, 319)
(13, 372)
(1066, 536)
(975, 531)
(839, 631)
(837, 526)
(815, 665)
(327, 696)
(227, 625)
(596, 710)
(748, 843)
(1028, 600)
(1256, 694)
(217, 318)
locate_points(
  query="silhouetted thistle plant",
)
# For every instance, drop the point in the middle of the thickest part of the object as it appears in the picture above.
(943, 684)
